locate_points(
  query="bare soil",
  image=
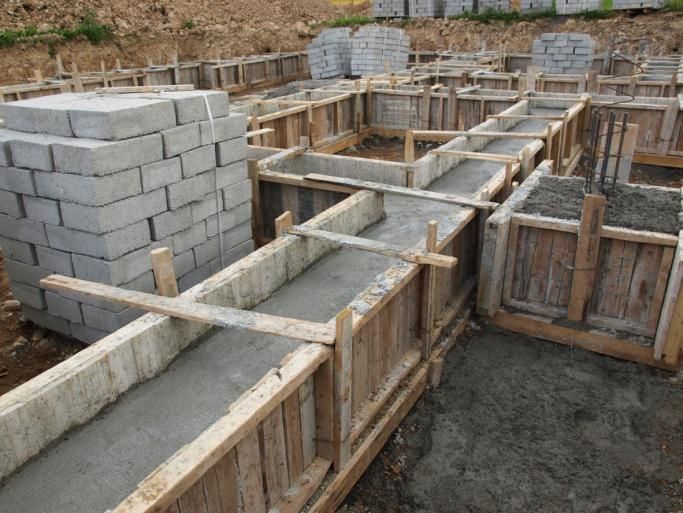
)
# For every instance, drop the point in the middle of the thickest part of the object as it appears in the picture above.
(523, 425)
(393, 150)
(629, 206)
(656, 175)
(25, 349)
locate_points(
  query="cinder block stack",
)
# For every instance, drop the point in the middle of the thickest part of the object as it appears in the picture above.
(456, 7)
(568, 53)
(428, 8)
(390, 8)
(90, 184)
(373, 46)
(574, 6)
(493, 5)
(634, 4)
(329, 54)
(527, 6)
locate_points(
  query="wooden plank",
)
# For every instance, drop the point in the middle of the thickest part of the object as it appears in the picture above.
(335, 493)
(499, 135)
(292, 424)
(428, 287)
(224, 317)
(300, 181)
(275, 456)
(413, 255)
(404, 191)
(325, 410)
(587, 252)
(658, 160)
(164, 273)
(307, 418)
(192, 501)
(475, 155)
(228, 485)
(251, 475)
(259, 132)
(670, 326)
(287, 154)
(303, 488)
(144, 89)
(343, 364)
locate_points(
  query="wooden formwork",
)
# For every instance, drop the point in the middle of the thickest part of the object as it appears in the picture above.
(561, 280)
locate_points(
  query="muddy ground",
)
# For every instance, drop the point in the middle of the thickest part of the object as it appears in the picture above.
(639, 208)
(523, 425)
(392, 149)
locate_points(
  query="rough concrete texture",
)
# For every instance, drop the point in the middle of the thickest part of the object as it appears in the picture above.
(629, 206)
(527, 426)
(567, 53)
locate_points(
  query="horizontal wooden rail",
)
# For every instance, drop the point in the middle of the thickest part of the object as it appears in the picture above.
(475, 155)
(500, 135)
(404, 191)
(144, 89)
(261, 131)
(409, 255)
(221, 316)
(281, 156)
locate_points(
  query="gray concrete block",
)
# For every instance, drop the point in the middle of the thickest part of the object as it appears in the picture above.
(63, 307)
(109, 246)
(89, 190)
(231, 151)
(5, 153)
(113, 118)
(231, 174)
(236, 194)
(28, 295)
(180, 139)
(170, 222)
(192, 189)
(226, 128)
(122, 270)
(236, 236)
(46, 114)
(55, 261)
(11, 204)
(18, 250)
(188, 239)
(115, 215)
(90, 157)
(190, 106)
(105, 320)
(184, 263)
(34, 151)
(24, 230)
(43, 318)
(160, 174)
(42, 210)
(192, 278)
(86, 334)
(240, 251)
(17, 180)
(206, 252)
(24, 273)
(198, 161)
(144, 283)
(229, 219)
(209, 205)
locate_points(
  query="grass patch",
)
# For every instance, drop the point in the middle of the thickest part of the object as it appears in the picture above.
(348, 21)
(490, 15)
(188, 24)
(88, 27)
(598, 14)
(674, 5)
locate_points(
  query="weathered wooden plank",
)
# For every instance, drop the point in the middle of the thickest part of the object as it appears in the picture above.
(250, 473)
(343, 365)
(303, 488)
(307, 417)
(192, 501)
(275, 456)
(292, 425)
(228, 485)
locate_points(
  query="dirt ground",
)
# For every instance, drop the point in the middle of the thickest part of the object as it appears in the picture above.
(656, 175)
(528, 426)
(393, 150)
(25, 350)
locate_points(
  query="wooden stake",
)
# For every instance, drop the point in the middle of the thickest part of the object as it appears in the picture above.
(76, 76)
(409, 150)
(587, 252)
(507, 184)
(343, 354)
(283, 222)
(428, 286)
(164, 272)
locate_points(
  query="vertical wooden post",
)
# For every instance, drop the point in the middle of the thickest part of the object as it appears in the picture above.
(60, 66)
(426, 107)
(283, 222)
(253, 126)
(343, 365)
(427, 300)
(530, 78)
(507, 184)
(358, 107)
(669, 335)
(452, 121)
(409, 149)
(368, 103)
(76, 77)
(37, 75)
(666, 129)
(256, 216)
(311, 125)
(164, 273)
(587, 252)
(323, 380)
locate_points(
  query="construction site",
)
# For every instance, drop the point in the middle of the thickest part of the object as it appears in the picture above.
(353, 274)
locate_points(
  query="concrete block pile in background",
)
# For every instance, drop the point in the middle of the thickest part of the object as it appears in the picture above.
(425, 8)
(574, 6)
(339, 52)
(535, 5)
(634, 4)
(456, 7)
(493, 5)
(390, 8)
(568, 53)
(90, 184)
(329, 54)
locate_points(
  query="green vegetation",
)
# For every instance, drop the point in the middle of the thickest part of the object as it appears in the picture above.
(594, 15)
(490, 15)
(347, 21)
(188, 24)
(88, 28)
(674, 5)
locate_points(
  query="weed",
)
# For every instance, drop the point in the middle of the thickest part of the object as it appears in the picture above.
(88, 27)
(490, 15)
(674, 5)
(188, 25)
(347, 21)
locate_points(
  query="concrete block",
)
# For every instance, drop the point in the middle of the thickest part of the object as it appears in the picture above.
(206, 207)
(24, 230)
(231, 174)
(109, 246)
(229, 219)
(63, 307)
(236, 194)
(189, 190)
(24, 273)
(115, 215)
(46, 114)
(144, 283)
(28, 295)
(105, 320)
(190, 106)
(184, 263)
(89, 190)
(188, 239)
(112, 118)
(18, 250)
(240, 251)
(42, 210)
(159, 174)
(192, 278)
(168, 223)
(5, 153)
(90, 157)
(548, 37)
(236, 236)
(86, 334)
(11, 204)
(231, 151)
(55, 261)
(226, 128)
(180, 139)
(122, 270)
(206, 252)
(34, 151)
(42, 317)
(198, 161)
(17, 180)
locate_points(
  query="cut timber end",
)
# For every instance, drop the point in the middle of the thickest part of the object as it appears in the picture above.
(164, 272)
(282, 222)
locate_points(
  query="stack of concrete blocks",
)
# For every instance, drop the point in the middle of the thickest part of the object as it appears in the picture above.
(574, 6)
(493, 5)
(566, 53)
(390, 8)
(529, 6)
(633, 4)
(90, 184)
(373, 47)
(457, 7)
(425, 8)
(329, 54)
